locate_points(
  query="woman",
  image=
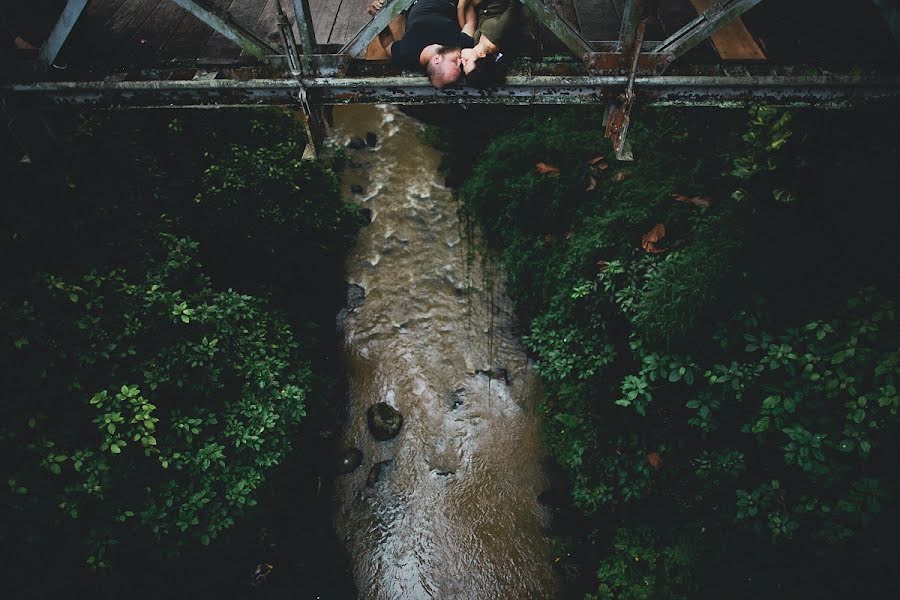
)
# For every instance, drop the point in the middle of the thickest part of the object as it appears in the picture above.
(498, 24)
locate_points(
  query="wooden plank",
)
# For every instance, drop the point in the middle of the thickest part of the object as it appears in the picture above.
(266, 27)
(190, 36)
(733, 41)
(351, 16)
(375, 51)
(324, 14)
(245, 13)
(597, 19)
(674, 14)
(147, 44)
(92, 26)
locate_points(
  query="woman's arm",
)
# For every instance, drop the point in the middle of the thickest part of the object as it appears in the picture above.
(461, 6)
(470, 21)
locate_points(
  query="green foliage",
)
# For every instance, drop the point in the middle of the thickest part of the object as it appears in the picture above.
(732, 401)
(156, 378)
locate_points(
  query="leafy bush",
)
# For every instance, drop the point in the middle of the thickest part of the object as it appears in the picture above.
(725, 398)
(165, 361)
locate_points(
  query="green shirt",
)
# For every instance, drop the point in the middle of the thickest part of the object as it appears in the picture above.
(499, 21)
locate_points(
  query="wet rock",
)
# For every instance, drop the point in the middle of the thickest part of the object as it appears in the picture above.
(357, 189)
(371, 139)
(495, 374)
(385, 421)
(356, 143)
(349, 460)
(456, 398)
(356, 295)
(355, 164)
(376, 471)
(366, 215)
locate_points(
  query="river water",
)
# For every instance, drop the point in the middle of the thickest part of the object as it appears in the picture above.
(455, 513)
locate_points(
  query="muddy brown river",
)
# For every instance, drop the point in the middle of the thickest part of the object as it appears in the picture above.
(430, 331)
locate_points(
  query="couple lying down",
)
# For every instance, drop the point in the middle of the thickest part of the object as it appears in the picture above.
(451, 37)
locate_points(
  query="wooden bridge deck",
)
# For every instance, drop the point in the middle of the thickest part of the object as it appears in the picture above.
(126, 34)
(145, 33)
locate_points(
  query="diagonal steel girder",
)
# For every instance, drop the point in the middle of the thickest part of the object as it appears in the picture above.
(235, 32)
(368, 32)
(60, 33)
(713, 18)
(560, 27)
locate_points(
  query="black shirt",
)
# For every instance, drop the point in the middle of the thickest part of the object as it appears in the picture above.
(428, 22)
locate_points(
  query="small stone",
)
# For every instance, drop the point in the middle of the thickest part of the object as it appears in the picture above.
(371, 139)
(357, 189)
(349, 460)
(376, 471)
(385, 421)
(356, 294)
(356, 143)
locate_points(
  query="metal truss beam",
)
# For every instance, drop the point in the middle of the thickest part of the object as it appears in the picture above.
(713, 18)
(305, 26)
(560, 27)
(359, 42)
(60, 33)
(235, 32)
(631, 17)
(721, 91)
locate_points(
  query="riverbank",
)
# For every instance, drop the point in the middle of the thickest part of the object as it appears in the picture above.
(695, 316)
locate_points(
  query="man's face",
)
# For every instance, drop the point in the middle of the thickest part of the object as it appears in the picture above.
(448, 68)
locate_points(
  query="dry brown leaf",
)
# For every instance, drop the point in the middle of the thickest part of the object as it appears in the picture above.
(601, 166)
(621, 175)
(545, 169)
(592, 185)
(695, 200)
(596, 159)
(651, 239)
(655, 460)
(601, 265)
(570, 235)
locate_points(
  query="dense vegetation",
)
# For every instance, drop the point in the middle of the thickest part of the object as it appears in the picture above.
(716, 327)
(170, 286)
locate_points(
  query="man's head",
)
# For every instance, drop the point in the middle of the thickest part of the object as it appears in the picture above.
(444, 67)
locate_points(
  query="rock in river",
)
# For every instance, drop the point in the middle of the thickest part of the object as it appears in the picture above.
(371, 139)
(356, 143)
(349, 460)
(376, 471)
(385, 421)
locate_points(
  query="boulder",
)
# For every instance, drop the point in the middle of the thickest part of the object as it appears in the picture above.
(356, 143)
(349, 460)
(357, 189)
(371, 139)
(385, 421)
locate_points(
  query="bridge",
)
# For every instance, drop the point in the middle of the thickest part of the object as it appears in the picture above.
(314, 53)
